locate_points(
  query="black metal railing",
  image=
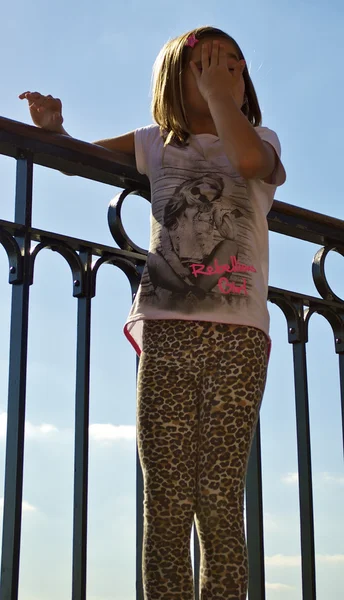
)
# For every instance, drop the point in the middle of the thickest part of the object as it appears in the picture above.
(28, 146)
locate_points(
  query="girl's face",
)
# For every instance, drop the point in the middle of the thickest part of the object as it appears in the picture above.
(195, 105)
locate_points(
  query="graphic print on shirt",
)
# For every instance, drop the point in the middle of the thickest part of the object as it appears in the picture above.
(202, 258)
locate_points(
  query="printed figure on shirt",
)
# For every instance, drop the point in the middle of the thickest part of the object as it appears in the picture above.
(203, 244)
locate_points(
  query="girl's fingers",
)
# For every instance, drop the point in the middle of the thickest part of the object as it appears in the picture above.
(29, 95)
(222, 56)
(215, 53)
(33, 95)
(205, 56)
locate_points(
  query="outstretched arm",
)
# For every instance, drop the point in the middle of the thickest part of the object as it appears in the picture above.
(46, 112)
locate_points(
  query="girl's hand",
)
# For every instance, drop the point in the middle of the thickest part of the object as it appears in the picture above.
(219, 74)
(46, 111)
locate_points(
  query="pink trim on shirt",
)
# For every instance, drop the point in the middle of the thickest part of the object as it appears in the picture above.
(132, 340)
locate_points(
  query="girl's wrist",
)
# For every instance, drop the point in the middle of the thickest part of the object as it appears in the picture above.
(60, 130)
(224, 102)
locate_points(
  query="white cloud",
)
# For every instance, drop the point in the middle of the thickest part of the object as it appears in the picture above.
(99, 432)
(106, 432)
(34, 431)
(332, 478)
(282, 560)
(31, 431)
(325, 477)
(279, 587)
(290, 478)
(330, 558)
(26, 507)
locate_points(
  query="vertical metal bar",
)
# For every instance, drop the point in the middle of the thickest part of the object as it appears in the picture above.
(17, 393)
(341, 378)
(305, 472)
(254, 521)
(79, 576)
(197, 560)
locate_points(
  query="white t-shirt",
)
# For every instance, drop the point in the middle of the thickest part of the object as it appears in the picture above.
(208, 257)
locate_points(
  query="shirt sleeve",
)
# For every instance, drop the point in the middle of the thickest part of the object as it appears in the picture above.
(279, 174)
(145, 141)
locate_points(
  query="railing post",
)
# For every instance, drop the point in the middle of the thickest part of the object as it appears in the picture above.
(79, 575)
(254, 521)
(297, 323)
(341, 376)
(17, 391)
(305, 471)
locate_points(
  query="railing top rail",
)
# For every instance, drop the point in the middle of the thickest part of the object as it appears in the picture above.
(70, 155)
(94, 162)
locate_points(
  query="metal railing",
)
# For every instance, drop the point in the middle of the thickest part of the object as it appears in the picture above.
(28, 146)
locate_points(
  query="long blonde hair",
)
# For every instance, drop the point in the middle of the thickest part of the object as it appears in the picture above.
(167, 93)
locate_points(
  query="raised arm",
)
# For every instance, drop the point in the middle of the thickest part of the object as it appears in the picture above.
(46, 112)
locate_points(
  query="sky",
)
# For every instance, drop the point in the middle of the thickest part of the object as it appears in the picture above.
(97, 57)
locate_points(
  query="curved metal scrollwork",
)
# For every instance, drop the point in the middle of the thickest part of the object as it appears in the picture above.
(294, 313)
(132, 272)
(15, 258)
(334, 316)
(335, 319)
(318, 271)
(115, 222)
(72, 258)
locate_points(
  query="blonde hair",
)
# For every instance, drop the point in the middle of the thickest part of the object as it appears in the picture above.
(167, 106)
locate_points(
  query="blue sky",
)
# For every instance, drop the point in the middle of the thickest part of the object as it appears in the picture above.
(97, 58)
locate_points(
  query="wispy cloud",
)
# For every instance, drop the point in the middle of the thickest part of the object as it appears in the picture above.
(99, 432)
(290, 478)
(331, 558)
(282, 560)
(34, 431)
(106, 432)
(26, 507)
(332, 478)
(31, 431)
(325, 477)
(279, 587)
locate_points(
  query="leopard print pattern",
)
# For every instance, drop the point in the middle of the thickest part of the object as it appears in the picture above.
(200, 387)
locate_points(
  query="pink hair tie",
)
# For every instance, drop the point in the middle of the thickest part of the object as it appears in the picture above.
(191, 41)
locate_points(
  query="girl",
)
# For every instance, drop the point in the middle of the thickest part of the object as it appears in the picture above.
(199, 321)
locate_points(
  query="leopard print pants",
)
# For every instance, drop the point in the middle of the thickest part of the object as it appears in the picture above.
(200, 387)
